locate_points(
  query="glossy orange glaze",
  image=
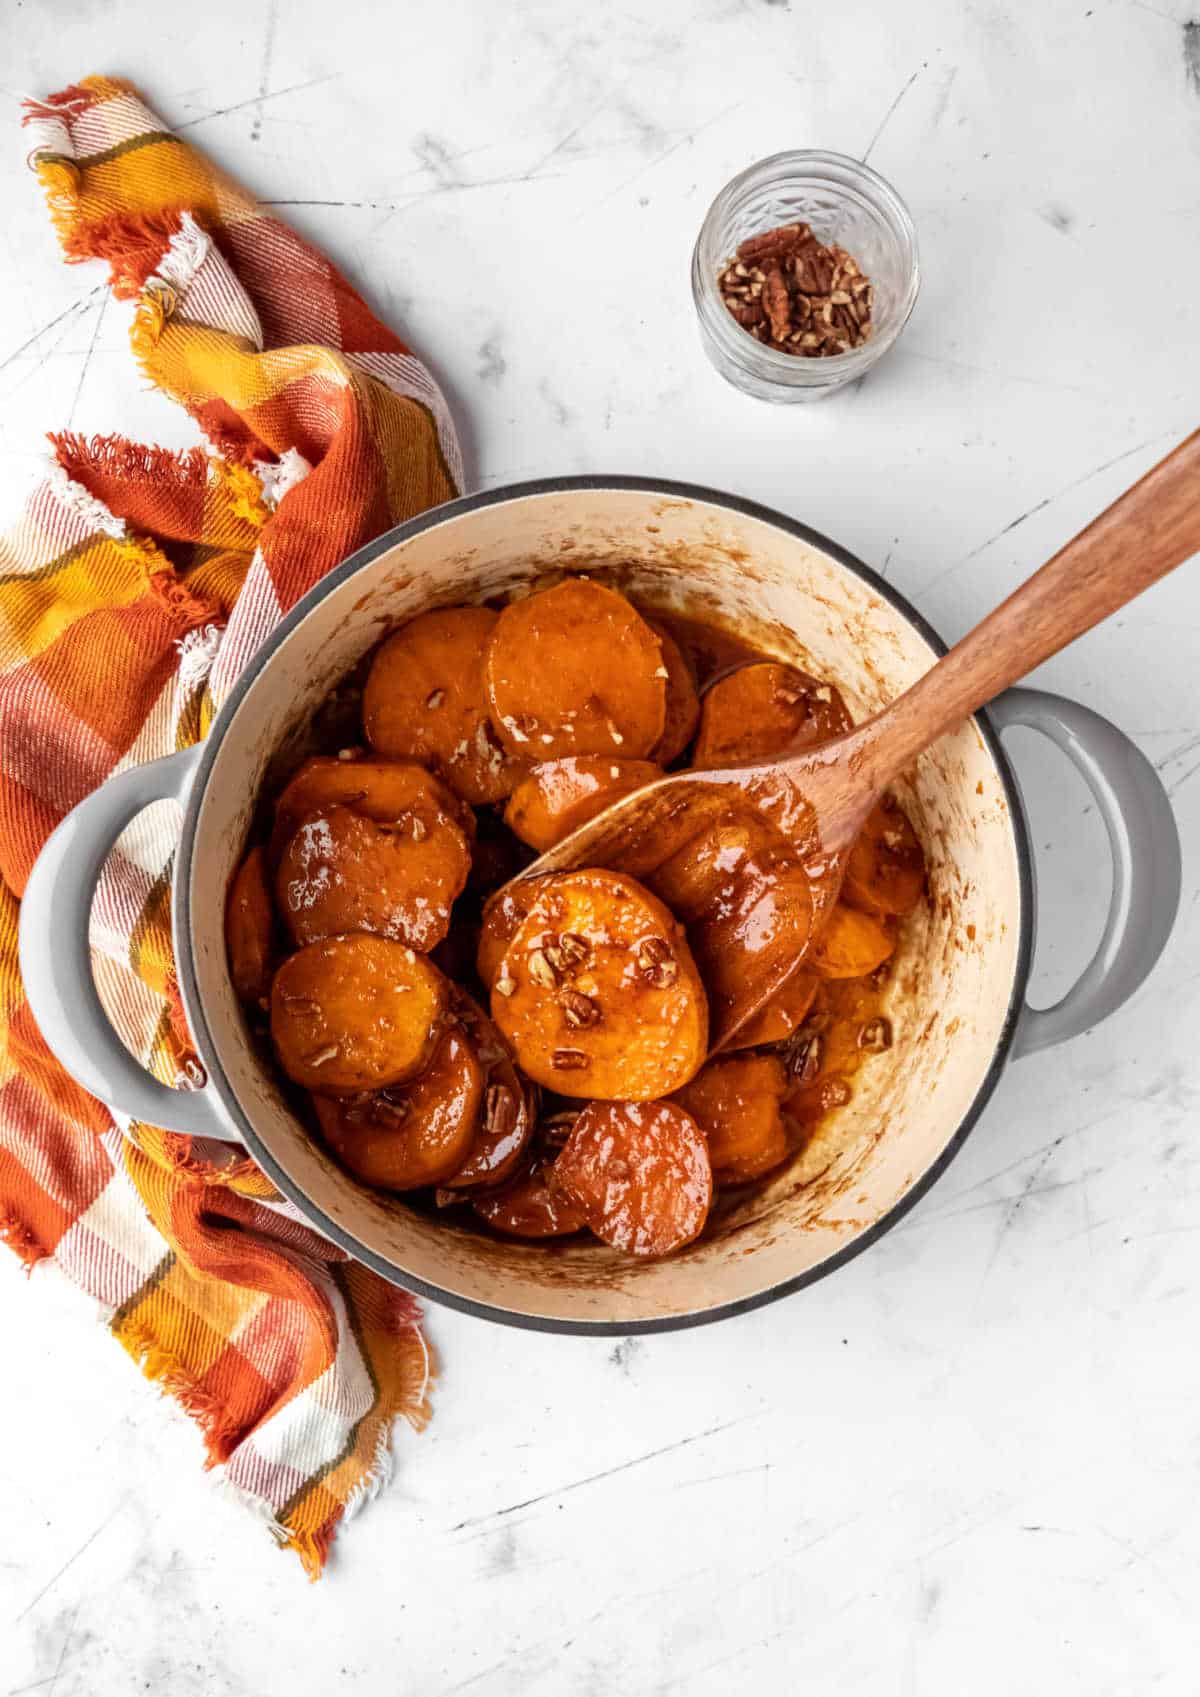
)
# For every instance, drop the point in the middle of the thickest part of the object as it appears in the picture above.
(384, 790)
(830, 1049)
(598, 993)
(782, 1014)
(355, 1013)
(683, 703)
(560, 795)
(506, 1123)
(425, 700)
(527, 1207)
(744, 897)
(407, 1137)
(885, 872)
(640, 1172)
(250, 928)
(735, 1100)
(576, 670)
(341, 871)
(709, 649)
(502, 917)
(763, 710)
(378, 1032)
(852, 944)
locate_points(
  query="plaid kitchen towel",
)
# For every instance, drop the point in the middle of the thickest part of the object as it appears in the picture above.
(132, 591)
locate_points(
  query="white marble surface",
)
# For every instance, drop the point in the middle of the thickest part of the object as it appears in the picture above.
(969, 1462)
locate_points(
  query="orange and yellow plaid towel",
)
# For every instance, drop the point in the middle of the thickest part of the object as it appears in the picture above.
(132, 591)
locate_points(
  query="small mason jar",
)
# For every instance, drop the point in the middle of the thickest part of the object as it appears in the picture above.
(844, 202)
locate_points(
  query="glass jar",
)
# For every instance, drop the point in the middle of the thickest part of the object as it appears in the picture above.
(845, 202)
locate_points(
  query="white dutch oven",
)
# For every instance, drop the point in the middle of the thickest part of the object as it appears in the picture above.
(958, 996)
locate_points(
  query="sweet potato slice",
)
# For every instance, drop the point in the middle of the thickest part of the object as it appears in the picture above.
(851, 944)
(885, 872)
(355, 1013)
(744, 896)
(781, 1015)
(527, 1207)
(560, 795)
(683, 704)
(735, 1100)
(598, 993)
(408, 1136)
(425, 700)
(641, 1173)
(576, 670)
(763, 710)
(343, 872)
(250, 928)
(502, 917)
(506, 1123)
(388, 791)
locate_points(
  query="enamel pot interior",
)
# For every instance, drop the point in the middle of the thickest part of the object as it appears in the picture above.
(952, 998)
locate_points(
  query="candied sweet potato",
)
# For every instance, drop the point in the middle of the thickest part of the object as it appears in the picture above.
(560, 795)
(735, 1100)
(683, 704)
(885, 871)
(506, 1122)
(343, 872)
(851, 944)
(763, 710)
(388, 791)
(641, 1173)
(355, 1013)
(502, 917)
(598, 993)
(781, 1015)
(425, 700)
(576, 670)
(250, 928)
(407, 1136)
(527, 1207)
(744, 896)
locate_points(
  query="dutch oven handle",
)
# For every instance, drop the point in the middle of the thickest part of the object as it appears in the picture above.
(56, 965)
(1146, 862)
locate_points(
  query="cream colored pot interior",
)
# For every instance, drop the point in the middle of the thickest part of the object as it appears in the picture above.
(950, 996)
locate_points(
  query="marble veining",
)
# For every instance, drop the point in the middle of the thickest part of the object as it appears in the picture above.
(968, 1462)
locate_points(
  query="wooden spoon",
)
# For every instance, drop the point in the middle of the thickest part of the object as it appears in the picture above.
(822, 796)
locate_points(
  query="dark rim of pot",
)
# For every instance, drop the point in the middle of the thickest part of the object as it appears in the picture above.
(692, 492)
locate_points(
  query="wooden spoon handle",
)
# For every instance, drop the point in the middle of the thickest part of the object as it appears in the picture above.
(1148, 531)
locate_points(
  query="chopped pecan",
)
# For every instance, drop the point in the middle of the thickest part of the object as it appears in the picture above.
(876, 1035)
(776, 300)
(574, 949)
(579, 1010)
(657, 963)
(772, 243)
(791, 292)
(749, 315)
(569, 1060)
(500, 1110)
(541, 970)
